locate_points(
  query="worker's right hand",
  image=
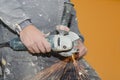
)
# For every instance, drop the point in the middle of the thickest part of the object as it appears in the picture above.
(34, 40)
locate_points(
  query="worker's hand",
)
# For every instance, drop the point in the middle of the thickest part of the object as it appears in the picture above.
(61, 27)
(34, 40)
(82, 50)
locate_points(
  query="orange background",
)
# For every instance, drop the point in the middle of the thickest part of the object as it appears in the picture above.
(99, 22)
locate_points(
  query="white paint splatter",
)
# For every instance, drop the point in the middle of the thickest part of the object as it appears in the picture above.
(40, 15)
(76, 19)
(7, 71)
(80, 73)
(32, 64)
(23, 3)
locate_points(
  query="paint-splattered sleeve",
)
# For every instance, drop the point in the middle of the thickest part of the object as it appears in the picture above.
(11, 13)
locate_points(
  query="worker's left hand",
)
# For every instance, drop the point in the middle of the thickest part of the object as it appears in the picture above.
(82, 50)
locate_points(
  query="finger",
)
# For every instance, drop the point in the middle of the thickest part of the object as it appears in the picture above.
(82, 52)
(61, 27)
(41, 47)
(47, 46)
(85, 52)
(36, 48)
(67, 29)
(30, 50)
(64, 28)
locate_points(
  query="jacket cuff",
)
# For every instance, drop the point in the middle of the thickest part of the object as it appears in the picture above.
(22, 25)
